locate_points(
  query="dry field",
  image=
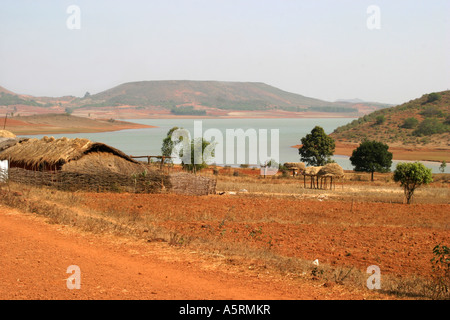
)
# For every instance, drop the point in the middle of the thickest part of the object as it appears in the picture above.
(275, 226)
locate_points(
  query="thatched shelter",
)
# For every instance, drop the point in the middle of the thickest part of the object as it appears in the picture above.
(76, 155)
(296, 167)
(311, 172)
(330, 170)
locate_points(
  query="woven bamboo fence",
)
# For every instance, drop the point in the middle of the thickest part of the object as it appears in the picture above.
(149, 182)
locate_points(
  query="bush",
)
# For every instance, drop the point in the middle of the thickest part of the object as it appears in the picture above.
(380, 119)
(410, 123)
(432, 112)
(429, 126)
(433, 97)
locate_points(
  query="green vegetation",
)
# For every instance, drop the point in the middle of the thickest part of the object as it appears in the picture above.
(199, 155)
(372, 156)
(432, 97)
(411, 176)
(380, 119)
(187, 110)
(317, 147)
(7, 99)
(168, 144)
(441, 270)
(443, 166)
(430, 126)
(410, 123)
(416, 121)
(215, 94)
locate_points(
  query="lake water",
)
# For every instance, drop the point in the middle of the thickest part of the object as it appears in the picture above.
(141, 142)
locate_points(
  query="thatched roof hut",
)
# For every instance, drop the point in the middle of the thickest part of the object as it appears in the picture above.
(331, 170)
(78, 155)
(311, 171)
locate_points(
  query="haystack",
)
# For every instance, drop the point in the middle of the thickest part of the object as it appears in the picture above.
(6, 134)
(311, 171)
(53, 154)
(330, 170)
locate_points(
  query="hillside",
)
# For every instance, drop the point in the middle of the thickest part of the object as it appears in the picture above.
(419, 123)
(188, 98)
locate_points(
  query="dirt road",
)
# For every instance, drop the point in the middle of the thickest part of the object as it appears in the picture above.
(35, 256)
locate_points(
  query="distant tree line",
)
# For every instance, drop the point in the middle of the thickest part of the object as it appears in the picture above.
(187, 110)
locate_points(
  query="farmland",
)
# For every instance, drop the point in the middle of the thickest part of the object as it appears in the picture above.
(271, 228)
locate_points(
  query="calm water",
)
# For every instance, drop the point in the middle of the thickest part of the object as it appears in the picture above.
(139, 142)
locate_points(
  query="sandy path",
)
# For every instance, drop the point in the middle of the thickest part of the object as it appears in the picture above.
(35, 256)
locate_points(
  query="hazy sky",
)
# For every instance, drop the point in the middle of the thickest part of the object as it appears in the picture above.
(317, 48)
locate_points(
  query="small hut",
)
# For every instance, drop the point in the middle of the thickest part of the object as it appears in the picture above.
(296, 167)
(76, 155)
(330, 170)
(311, 172)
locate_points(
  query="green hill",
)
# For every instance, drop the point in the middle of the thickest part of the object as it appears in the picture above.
(423, 121)
(209, 94)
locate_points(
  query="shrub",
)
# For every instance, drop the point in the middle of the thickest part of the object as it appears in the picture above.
(441, 269)
(429, 126)
(410, 123)
(380, 119)
(433, 97)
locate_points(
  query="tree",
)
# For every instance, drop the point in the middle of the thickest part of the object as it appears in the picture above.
(411, 176)
(443, 166)
(198, 155)
(317, 147)
(372, 156)
(168, 144)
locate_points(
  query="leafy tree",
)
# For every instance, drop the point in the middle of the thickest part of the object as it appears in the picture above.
(198, 155)
(410, 123)
(372, 156)
(443, 166)
(168, 144)
(411, 176)
(317, 147)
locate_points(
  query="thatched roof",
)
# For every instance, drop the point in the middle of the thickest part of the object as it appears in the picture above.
(331, 170)
(53, 152)
(295, 165)
(311, 171)
(97, 162)
(6, 134)
(6, 143)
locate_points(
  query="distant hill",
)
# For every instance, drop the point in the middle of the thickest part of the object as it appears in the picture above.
(213, 94)
(196, 98)
(421, 122)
